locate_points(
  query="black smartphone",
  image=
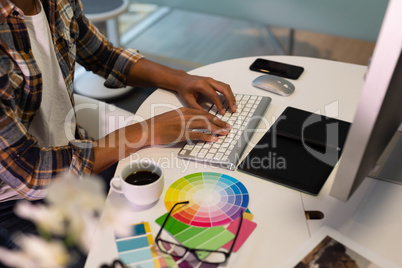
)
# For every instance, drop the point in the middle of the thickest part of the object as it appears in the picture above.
(277, 68)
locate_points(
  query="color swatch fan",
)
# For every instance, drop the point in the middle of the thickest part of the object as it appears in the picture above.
(215, 199)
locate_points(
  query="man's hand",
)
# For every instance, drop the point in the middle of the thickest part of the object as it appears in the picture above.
(191, 86)
(179, 125)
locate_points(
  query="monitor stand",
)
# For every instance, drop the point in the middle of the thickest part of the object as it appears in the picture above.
(389, 166)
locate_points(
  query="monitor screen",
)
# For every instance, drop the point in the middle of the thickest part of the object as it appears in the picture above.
(379, 112)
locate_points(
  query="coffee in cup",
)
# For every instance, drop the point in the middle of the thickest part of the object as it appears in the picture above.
(142, 177)
(141, 182)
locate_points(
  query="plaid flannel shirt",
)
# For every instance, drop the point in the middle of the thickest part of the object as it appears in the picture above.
(26, 166)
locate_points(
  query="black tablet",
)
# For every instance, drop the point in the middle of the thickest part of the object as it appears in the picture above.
(299, 151)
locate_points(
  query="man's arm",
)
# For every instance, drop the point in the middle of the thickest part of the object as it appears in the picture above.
(168, 128)
(148, 73)
(128, 67)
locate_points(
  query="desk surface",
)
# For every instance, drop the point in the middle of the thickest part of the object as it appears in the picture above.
(327, 87)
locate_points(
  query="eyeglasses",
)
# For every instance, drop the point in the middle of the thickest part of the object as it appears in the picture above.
(203, 255)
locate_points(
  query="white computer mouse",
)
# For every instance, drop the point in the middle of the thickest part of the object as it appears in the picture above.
(274, 84)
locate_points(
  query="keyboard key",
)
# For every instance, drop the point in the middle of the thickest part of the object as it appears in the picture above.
(209, 156)
(218, 156)
(188, 147)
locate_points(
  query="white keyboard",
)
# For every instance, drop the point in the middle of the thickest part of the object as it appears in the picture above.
(227, 150)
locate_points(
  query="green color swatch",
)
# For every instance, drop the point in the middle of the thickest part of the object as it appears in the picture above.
(211, 238)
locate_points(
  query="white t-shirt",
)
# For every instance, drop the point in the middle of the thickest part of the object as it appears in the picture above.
(48, 125)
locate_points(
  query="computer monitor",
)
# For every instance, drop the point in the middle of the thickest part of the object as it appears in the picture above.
(378, 116)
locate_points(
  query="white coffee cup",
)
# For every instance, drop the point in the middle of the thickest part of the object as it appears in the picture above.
(141, 195)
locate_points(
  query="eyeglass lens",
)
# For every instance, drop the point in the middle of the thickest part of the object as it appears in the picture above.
(202, 255)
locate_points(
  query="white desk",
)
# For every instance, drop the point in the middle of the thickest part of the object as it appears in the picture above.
(327, 86)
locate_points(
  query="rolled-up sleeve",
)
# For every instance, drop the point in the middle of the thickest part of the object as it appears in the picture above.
(100, 56)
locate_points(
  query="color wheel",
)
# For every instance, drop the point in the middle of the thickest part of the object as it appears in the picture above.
(215, 199)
